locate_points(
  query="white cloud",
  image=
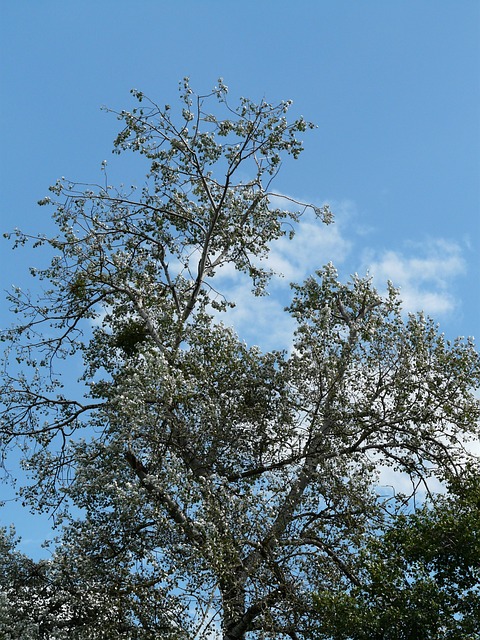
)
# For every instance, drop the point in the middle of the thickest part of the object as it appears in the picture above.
(392, 482)
(425, 274)
(314, 245)
(259, 321)
(262, 320)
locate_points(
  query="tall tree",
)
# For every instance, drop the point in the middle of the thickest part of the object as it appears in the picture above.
(217, 486)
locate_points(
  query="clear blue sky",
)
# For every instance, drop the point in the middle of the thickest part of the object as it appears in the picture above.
(394, 87)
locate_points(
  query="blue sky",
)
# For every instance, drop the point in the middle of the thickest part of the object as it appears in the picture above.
(394, 87)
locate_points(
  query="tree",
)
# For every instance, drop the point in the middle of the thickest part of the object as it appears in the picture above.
(59, 599)
(219, 487)
(420, 579)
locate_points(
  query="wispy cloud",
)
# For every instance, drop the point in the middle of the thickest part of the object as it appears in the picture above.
(263, 320)
(259, 321)
(425, 273)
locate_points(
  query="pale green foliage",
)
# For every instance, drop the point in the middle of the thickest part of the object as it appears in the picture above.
(219, 486)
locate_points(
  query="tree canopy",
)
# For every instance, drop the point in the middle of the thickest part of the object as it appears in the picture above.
(419, 579)
(206, 488)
